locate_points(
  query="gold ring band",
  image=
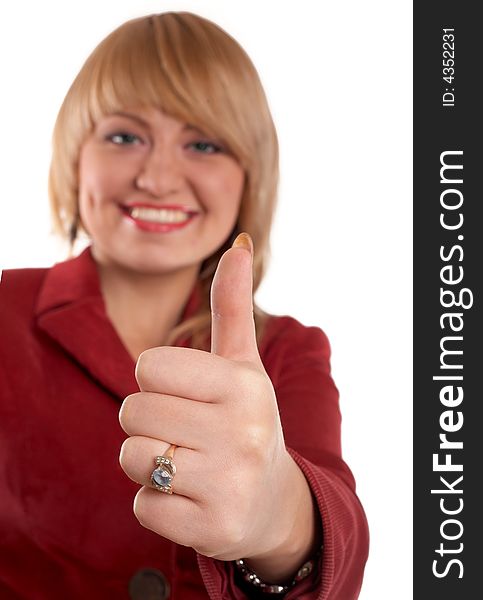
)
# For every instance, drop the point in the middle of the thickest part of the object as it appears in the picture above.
(170, 451)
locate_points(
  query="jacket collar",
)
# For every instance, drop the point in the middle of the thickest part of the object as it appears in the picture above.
(70, 309)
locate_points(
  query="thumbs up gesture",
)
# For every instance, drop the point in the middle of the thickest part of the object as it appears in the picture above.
(235, 487)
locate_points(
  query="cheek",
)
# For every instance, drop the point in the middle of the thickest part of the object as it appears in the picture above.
(224, 189)
(94, 179)
(97, 185)
(88, 177)
(236, 183)
(99, 192)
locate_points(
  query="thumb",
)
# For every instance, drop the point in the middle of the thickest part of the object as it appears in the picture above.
(232, 324)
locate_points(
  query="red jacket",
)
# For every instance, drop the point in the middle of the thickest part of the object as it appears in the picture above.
(67, 528)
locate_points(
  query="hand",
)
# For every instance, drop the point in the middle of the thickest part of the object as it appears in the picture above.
(232, 489)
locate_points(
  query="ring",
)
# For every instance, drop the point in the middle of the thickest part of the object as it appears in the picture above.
(163, 475)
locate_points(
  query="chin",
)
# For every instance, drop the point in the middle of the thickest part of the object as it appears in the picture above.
(151, 262)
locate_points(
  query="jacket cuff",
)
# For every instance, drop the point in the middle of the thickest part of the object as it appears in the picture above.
(338, 572)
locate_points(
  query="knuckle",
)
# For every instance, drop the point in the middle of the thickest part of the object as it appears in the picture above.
(255, 442)
(206, 543)
(224, 533)
(139, 508)
(123, 454)
(127, 454)
(128, 410)
(144, 359)
(148, 366)
(146, 362)
(192, 537)
(231, 533)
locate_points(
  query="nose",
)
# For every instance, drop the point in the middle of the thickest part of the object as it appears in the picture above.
(160, 174)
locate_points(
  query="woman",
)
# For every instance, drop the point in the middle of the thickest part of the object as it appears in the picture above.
(165, 154)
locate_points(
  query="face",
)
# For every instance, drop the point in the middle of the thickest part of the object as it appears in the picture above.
(156, 194)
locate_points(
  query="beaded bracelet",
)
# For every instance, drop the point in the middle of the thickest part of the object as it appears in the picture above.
(271, 588)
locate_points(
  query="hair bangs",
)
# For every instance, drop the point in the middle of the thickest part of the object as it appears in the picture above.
(148, 64)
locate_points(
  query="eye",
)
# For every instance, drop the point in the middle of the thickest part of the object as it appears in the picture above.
(123, 138)
(205, 147)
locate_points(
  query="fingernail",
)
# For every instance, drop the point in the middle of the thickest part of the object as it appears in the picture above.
(243, 240)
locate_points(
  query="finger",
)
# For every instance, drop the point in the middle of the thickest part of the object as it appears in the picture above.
(186, 373)
(232, 324)
(158, 416)
(172, 516)
(138, 460)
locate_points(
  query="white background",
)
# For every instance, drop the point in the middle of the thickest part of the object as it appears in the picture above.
(338, 77)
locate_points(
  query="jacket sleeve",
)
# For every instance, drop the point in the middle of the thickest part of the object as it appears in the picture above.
(297, 359)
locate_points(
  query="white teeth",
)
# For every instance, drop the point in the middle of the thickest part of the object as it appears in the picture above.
(158, 215)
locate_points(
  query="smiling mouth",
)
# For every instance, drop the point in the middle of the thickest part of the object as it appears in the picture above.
(156, 219)
(158, 215)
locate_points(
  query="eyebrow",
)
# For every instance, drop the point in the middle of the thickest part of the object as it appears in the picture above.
(129, 116)
(187, 127)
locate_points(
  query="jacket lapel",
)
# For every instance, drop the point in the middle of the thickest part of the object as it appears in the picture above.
(70, 309)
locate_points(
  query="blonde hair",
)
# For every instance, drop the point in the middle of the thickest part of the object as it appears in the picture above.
(191, 69)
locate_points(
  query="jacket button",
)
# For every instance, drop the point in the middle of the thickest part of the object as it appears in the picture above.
(148, 584)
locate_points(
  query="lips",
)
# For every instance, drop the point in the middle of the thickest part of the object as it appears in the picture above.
(158, 218)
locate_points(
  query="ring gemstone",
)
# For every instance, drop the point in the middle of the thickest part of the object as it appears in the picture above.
(162, 477)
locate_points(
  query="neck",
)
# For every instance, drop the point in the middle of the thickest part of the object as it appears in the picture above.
(144, 307)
